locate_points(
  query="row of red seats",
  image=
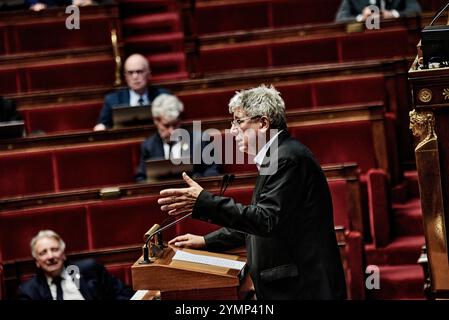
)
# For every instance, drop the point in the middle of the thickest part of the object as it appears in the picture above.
(225, 16)
(46, 75)
(53, 170)
(121, 223)
(96, 70)
(212, 103)
(22, 32)
(95, 165)
(299, 50)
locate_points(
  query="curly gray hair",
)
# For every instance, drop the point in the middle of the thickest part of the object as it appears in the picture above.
(46, 234)
(167, 106)
(261, 101)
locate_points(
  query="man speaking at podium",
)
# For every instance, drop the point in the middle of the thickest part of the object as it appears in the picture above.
(292, 252)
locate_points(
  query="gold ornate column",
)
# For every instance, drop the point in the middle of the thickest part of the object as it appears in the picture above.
(422, 124)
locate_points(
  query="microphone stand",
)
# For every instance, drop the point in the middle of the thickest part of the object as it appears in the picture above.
(438, 14)
(147, 258)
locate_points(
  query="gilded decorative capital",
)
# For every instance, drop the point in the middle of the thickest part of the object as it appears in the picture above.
(422, 125)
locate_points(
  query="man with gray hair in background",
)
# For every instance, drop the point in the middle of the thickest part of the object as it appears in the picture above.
(166, 111)
(58, 280)
(288, 228)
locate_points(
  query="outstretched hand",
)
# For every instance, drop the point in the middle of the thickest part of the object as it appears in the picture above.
(177, 201)
(189, 241)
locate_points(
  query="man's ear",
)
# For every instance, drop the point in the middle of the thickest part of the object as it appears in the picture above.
(264, 124)
(37, 264)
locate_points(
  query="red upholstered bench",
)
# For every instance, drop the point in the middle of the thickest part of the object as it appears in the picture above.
(375, 44)
(65, 168)
(93, 72)
(22, 32)
(10, 81)
(340, 142)
(97, 165)
(62, 118)
(124, 222)
(58, 74)
(26, 173)
(18, 227)
(272, 52)
(225, 16)
(210, 103)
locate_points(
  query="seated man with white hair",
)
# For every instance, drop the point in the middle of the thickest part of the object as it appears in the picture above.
(58, 279)
(166, 110)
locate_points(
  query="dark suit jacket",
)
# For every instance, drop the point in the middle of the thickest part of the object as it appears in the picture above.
(292, 252)
(8, 110)
(95, 284)
(153, 148)
(121, 97)
(350, 9)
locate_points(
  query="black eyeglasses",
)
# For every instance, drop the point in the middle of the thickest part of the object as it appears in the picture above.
(238, 122)
(139, 72)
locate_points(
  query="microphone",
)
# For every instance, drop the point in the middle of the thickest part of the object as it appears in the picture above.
(157, 229)
(438, 14)
(227, 183)
(224, 180)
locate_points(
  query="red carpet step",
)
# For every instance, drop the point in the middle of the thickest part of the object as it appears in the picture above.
(169, 66)
(399, 282)
(401, 250)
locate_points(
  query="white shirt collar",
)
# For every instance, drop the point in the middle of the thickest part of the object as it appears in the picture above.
(50, 279)
(258, 159)
(134, 98)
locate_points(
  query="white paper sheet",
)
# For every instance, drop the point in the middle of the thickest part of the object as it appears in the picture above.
(139, 295)
(213, 261)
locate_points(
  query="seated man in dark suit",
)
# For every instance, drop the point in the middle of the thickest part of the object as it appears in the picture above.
(58, 280)
(138, 93)
(166, 110)
(358, 10)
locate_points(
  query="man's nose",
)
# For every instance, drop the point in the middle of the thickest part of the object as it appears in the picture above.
(49, 256)
(170, 130)
(234, 131)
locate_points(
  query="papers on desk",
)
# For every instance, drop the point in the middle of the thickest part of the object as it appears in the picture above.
(139, 295)
(213, 261)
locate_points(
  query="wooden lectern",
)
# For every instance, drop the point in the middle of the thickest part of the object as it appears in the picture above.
(429, 122)
(185, 280)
